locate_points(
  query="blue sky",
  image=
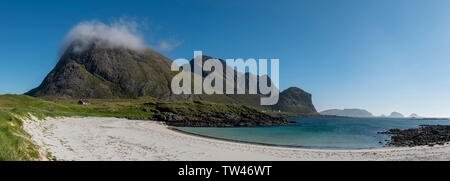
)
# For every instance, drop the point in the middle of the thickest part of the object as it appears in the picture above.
(380, 55)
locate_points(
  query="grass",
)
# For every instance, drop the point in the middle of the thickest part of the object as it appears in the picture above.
(15, 143)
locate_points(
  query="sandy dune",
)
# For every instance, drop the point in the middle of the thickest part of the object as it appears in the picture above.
(121, 139)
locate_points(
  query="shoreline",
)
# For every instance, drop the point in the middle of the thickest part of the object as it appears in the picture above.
(271, 145)
(104, 139)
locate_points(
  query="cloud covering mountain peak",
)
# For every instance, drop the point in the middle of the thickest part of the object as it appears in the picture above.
(120, 34)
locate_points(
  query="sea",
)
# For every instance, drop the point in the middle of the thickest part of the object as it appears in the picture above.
(318, 133)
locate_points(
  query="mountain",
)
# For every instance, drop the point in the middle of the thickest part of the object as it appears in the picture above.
(347, 112)
(396, 115)
(124, 73)
(295, 100)
(108, 73)
(414, 115)
(292, 100)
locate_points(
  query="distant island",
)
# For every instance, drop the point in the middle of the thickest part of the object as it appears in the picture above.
(361, 113)
(414, 115)
(396, 115)
(347, 113)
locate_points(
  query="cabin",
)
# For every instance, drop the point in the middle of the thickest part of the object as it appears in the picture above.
(84, 102)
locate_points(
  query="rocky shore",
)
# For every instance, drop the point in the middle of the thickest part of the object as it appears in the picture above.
(221, 120)
(202, 114)
(424, 135)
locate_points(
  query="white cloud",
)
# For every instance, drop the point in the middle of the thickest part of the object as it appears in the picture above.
(120, 34)
(167, 45)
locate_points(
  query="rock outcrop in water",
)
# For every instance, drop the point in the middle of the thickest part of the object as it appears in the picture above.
(424, 135)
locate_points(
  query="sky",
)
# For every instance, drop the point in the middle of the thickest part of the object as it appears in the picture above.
(379, 55)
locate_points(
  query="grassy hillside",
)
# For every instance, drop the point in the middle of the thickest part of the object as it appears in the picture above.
(15, 144)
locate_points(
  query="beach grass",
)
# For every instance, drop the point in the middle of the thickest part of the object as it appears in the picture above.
(14, 141)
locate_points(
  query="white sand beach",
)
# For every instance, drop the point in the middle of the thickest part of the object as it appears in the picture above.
(116, 139)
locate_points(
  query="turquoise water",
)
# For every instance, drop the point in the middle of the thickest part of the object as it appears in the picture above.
(321, 133)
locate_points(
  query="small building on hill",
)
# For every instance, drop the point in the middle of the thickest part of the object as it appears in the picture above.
(84, 102)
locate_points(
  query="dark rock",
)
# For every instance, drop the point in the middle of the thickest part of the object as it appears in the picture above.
(424, 135)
